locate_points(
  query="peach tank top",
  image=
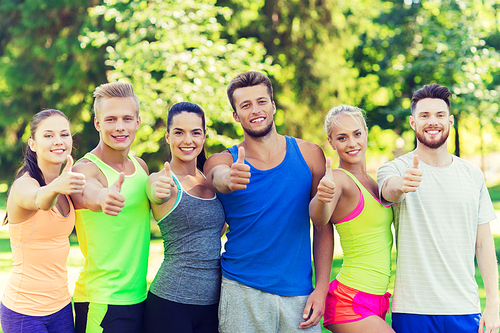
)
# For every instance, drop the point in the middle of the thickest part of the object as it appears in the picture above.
(38, 283)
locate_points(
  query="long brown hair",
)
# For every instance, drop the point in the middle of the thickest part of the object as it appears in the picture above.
(30, 163)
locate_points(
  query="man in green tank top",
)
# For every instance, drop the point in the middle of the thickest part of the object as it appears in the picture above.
(112, 224)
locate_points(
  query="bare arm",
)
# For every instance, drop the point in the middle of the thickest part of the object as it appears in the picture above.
(327, 196)
(27, 196)
(395, 188)
(488, 266)
(322, 241)
(224, 176)
(323, 256)
(96, 196)
(161, 191)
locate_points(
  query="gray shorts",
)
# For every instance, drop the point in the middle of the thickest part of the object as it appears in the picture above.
(244, 309)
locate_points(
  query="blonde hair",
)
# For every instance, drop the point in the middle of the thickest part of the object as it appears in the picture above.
(114, 90)
(331, 118)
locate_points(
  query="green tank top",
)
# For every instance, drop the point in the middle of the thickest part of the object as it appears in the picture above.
(115, 248)
(366, 239)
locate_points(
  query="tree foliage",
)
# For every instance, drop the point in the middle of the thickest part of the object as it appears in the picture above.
(172, 51)
(43, 66)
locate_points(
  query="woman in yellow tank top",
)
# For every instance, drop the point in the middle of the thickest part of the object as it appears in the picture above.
(40, 215)
(348, 198)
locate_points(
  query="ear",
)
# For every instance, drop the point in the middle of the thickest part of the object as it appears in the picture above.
(412, 122)
(331, 144)
(138, 124)
(274, 108)
(452, 120)
(31, 144)
(167, 137)
(97, 124)
(235, 117)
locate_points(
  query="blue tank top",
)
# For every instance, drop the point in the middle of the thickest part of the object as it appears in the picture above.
(268, 244)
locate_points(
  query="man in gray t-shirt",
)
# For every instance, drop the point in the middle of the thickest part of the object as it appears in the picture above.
(442, 211)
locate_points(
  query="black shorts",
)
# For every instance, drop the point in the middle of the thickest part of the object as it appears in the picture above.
(106, 318)
(161, 314)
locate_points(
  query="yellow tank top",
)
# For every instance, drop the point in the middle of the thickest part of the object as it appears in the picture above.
(366, 241)
(115, 248)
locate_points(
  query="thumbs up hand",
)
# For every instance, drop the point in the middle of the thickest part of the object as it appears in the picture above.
(112, 201)
(163, 185)
(239, 175)
(412, 177)
(69, 182)
(326, 186)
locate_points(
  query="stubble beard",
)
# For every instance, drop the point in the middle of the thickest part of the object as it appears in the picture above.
(259, 134)
(431, 143)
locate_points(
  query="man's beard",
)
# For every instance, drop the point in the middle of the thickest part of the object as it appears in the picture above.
(432, 143)
(259, 134)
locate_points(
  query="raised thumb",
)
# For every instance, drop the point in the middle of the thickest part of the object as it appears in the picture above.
(415, 161)
(241, 155)
(69, 164)
(167, 169)
(328, 166)
(118, 184)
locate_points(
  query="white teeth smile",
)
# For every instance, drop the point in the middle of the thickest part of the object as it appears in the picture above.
(257, 120)
(353, 152)
(187, 149)
(433, 132)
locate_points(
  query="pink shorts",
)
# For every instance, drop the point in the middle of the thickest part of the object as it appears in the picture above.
(345, 304)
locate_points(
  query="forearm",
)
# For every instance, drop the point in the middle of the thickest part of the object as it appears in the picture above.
(45, 197)
(89, 199)
(219, 179)
(323, 255)
(319, 211)
(392, 189)
(488, 266)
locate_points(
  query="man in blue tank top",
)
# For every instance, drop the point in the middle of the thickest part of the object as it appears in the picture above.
(265, 184)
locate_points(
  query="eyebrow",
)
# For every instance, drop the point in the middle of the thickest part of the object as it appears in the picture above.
(182, 129)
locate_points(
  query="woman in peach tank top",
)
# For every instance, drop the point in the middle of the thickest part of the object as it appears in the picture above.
(41, 216)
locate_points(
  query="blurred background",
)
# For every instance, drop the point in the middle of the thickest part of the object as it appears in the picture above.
(319, 53)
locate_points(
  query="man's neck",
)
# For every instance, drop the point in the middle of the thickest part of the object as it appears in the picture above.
(265, 152)
(438, 157)
(117, 159)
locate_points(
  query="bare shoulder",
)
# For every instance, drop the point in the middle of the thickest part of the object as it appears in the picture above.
(311, 152)
(91, 171)
(342, 180)
(23, 184)
(143, 164)
(223, 157)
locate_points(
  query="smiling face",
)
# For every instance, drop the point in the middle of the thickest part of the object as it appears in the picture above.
(254, 110)
(117, 122)
(186, 136)
(431, 122)
(52, 141)
(348, 137)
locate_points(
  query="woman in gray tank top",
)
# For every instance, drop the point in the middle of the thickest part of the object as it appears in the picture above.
(184, 295)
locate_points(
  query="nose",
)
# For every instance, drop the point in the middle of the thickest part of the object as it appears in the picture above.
(119, 125)
(58, 140)
(351, 142)
(188, 138)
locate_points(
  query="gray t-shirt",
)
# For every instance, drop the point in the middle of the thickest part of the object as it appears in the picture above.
(436, 229)
(190, 272)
